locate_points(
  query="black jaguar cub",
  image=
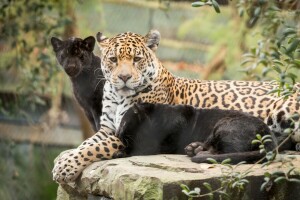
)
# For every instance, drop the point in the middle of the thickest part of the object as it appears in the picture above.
(159, 128)
(76, 56)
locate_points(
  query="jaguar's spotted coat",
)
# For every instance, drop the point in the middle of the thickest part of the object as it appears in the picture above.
(130, 67)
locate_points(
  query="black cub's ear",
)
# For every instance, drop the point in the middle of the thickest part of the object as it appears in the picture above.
(56, 43)
(188, 111)
(148, 107)
(135, 108)
(89, 43)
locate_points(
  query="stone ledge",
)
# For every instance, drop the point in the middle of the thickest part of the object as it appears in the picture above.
(159, 177)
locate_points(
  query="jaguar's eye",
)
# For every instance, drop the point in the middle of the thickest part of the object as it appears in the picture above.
(113, 59)
(136, 59)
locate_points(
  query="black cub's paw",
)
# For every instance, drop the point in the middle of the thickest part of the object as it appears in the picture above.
(194, 148)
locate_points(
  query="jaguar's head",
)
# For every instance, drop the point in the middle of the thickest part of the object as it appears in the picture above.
(128, 60)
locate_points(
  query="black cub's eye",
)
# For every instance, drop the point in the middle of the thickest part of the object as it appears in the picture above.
(136, 59)
(113, 59)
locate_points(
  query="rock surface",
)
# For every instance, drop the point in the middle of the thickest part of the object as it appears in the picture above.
(159, 177)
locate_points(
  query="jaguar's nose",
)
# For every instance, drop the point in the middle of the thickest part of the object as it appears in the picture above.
(125, 77)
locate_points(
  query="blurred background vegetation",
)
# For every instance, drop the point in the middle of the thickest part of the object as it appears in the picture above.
(248, 40)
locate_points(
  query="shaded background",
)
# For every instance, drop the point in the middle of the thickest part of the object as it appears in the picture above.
(38, 115)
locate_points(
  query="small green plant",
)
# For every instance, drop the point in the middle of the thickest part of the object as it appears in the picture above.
(279, 177)
(232, 183)
(261, 141)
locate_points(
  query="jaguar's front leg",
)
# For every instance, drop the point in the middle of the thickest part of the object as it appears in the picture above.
(99, 147)
(103, 145)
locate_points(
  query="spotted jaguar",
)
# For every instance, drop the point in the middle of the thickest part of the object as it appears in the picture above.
(133, 73)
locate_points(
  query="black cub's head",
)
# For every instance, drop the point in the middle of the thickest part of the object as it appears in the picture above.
(74, 54)
(133, 122)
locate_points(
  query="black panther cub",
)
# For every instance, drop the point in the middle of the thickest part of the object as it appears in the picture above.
(76, 56)
(158, 128)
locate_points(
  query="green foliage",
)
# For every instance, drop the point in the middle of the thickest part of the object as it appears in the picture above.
(25, 32)
(278, 51)
(277, 54)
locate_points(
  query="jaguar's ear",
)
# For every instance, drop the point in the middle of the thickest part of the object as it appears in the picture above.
(56, 43)
(102, 41)
(89, 43)
(152, 39)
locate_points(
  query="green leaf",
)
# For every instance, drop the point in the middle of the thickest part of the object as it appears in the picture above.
(274, 91)
(258, 136)
(245, 181)
(294, 116)
(278, 62)
(198, 4)
(289, 31)
(265, 71)
(226, 161)
(257, 11)
(185, 192)
(211, 160)
(267, 174)
(293, 46)
(185, 187)
(277, 69)
(193, 193)
(241, 12)
(297, 61)
(287, 131)
(197, 190)
(266, 136)
(292, 76)
(280, 179)
(248, 55)
(241, 163)
(224, 193)
(263, 61)
(246, 61)
(262, 187)
(270, 155)
(207, 185)
(268, 140)
(216, 6)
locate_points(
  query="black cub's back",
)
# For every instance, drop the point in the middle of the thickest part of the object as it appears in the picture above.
(159, 128)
